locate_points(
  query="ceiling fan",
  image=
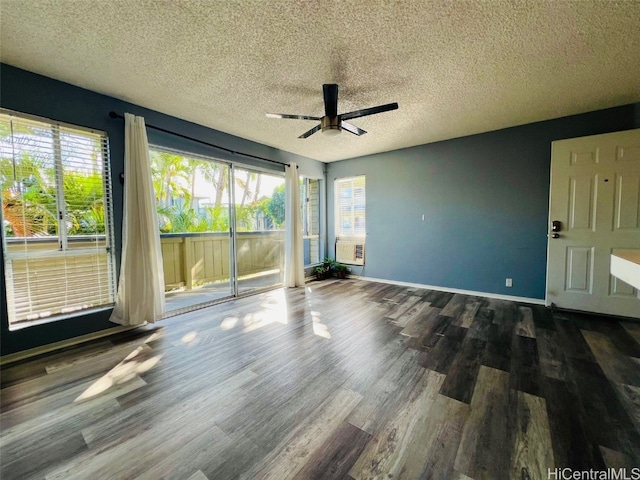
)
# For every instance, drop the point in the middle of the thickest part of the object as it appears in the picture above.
(332, 123)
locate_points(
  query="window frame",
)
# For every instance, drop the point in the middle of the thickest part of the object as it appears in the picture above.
(308, 214)
(354, 208)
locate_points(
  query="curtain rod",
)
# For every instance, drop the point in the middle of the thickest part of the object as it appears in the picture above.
(186, 137)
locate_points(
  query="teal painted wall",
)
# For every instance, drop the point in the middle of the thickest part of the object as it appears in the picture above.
(485, 201)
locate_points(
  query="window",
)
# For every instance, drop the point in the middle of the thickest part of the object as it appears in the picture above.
(350, 205)
(310, 204)
(56, 218)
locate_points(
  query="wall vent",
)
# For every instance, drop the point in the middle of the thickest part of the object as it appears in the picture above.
(350, 251)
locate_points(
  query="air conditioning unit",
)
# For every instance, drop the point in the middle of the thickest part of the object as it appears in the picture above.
(350, 251)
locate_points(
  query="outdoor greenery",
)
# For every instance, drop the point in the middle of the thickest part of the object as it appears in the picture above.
(175, 178)
(28, 185)
(29, 201)
(274, 206)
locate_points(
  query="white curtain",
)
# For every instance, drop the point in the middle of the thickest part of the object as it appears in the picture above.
(140, 296)
(293, 254)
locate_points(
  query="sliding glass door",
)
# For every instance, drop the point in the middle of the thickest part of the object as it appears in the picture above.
(192, 200)
(221, 228)
(259, 200)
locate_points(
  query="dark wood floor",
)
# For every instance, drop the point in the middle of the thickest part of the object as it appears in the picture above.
(347, 379)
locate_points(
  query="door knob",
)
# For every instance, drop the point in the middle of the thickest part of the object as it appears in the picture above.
(555, 235)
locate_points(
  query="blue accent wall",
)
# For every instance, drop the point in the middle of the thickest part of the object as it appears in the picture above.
(34, 94)
(485, 204)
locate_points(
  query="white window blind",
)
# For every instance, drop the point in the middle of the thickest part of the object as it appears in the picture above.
(350, 206)
(56, 217)
(310, 205)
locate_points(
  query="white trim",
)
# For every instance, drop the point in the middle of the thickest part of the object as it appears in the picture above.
(535, 301)
(32, 352)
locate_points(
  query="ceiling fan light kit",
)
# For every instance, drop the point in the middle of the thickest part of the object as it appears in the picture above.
(332, 123)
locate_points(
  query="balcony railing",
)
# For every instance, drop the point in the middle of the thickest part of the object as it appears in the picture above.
(189, 259)
(194, 259)
(43, 280)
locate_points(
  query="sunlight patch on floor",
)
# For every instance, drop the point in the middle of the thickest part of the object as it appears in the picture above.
(273, 310)
(133, 365)
(319, 328)
(229, 322)
(189, 337)
(157, 335)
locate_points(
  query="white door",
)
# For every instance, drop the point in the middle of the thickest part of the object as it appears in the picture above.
(595, 195)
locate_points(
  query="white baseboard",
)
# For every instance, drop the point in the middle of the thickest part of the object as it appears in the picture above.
(32, 352)
(535, 301)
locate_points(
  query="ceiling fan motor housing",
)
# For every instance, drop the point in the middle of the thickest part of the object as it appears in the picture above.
(330, 125)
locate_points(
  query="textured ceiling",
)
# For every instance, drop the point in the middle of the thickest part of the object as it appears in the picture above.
(455, 67)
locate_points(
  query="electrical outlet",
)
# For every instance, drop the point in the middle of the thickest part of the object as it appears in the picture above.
(509, 282)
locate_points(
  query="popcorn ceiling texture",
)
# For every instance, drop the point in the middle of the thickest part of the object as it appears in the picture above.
(455, 67)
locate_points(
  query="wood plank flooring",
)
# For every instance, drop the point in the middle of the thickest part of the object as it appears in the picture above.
(341, 380)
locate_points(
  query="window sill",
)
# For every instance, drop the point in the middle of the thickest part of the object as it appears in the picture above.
(56, 318)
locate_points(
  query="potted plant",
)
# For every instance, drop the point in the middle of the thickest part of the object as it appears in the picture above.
(341, 270)
(329, 263)
(320, 272)
(325, 270)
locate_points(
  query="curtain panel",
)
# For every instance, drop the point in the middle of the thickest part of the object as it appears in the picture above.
(140, 296)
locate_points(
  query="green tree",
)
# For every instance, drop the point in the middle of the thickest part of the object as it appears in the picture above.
(83, 195)
(275, 206)
(28, 196)
(172, 175)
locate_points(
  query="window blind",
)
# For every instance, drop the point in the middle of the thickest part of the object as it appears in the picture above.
(350, 206)
(310, 204)
(56, 216)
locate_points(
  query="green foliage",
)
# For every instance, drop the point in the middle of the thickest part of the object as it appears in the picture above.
(83, 195)
(30, 208)
(218, 219)
(329, 264)
(185, 219)
(244, 216)
(319, 271)
(326, 268)
(29, 199)
(275, 206)
(170, 174)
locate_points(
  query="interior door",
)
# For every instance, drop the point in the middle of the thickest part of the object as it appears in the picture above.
(595, 208)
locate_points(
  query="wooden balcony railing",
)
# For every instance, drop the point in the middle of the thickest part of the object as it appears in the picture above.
(192, 259)
(43, 278)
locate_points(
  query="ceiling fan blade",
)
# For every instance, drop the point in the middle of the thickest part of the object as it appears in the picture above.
(330, 91)
(310, 132)
(296, 117)
(352, 128)
(369, 111)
